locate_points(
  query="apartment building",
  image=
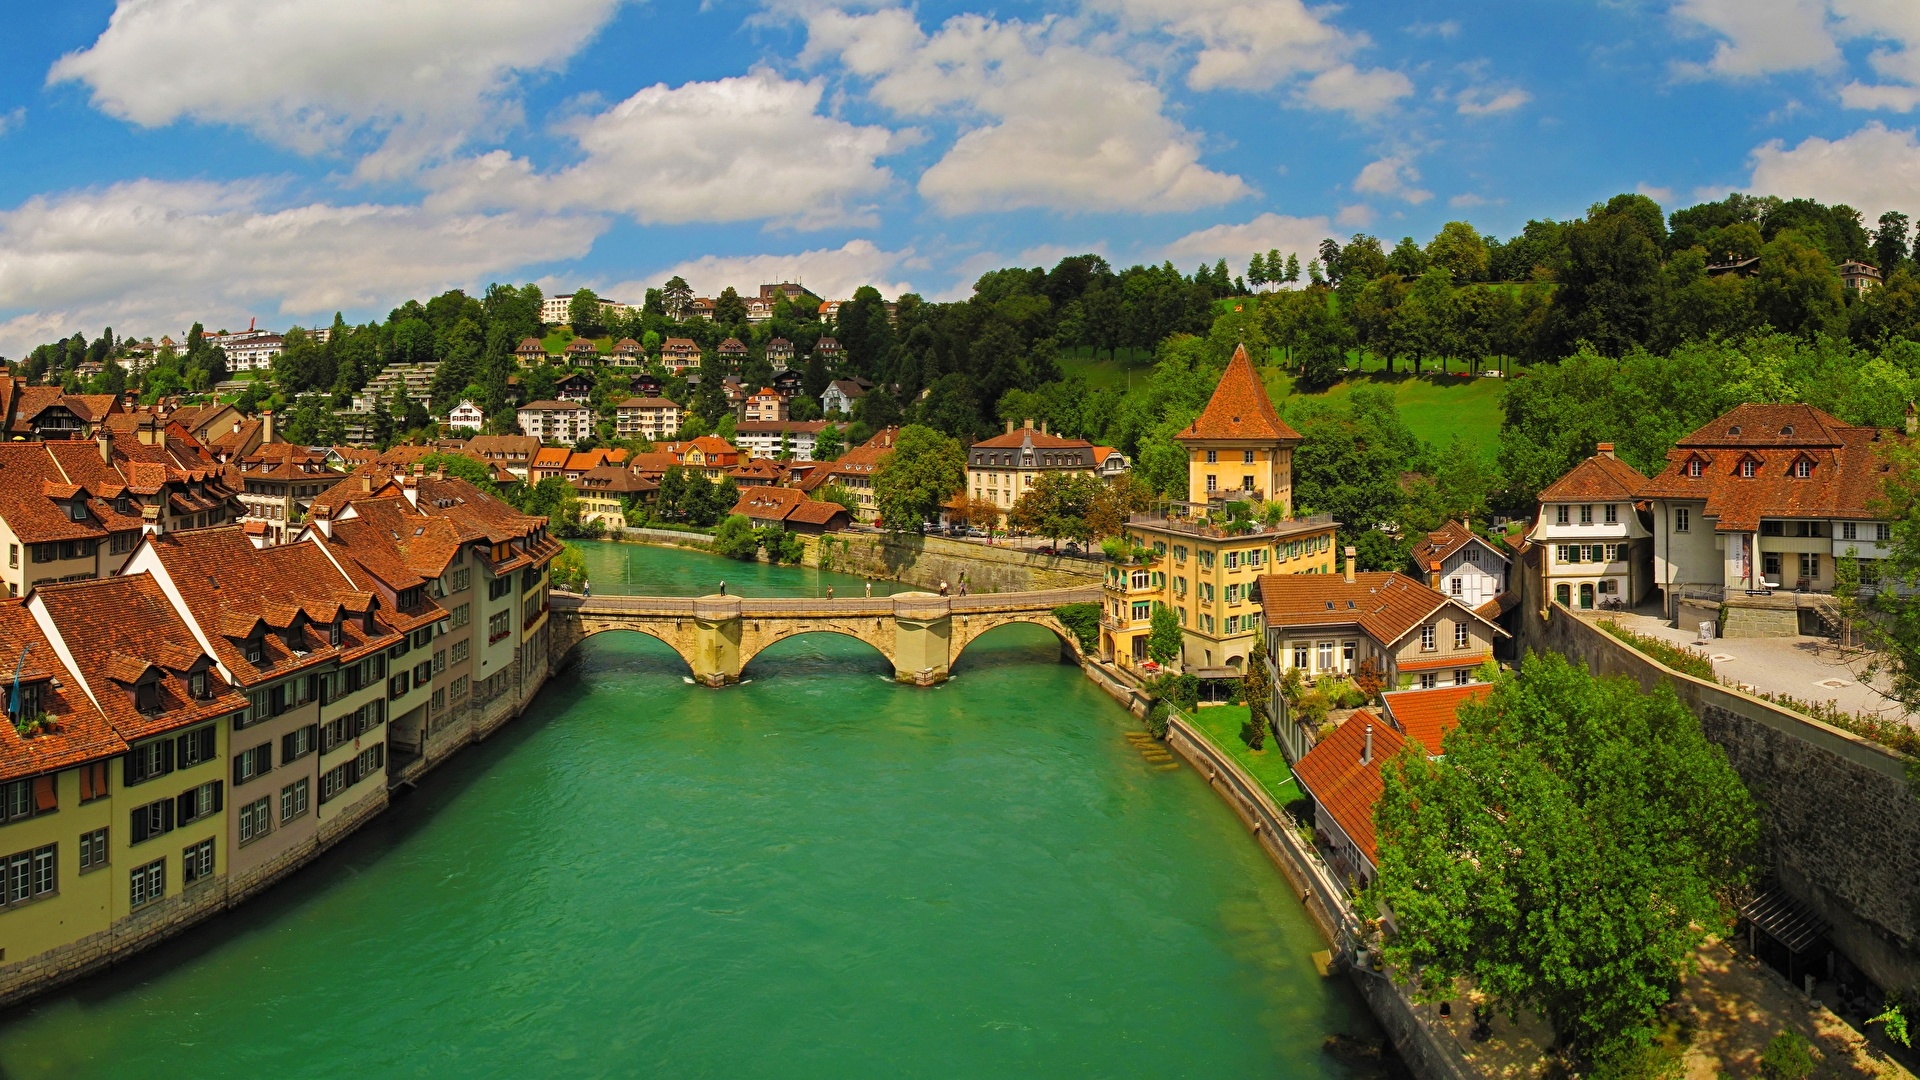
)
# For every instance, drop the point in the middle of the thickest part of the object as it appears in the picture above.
(1005, 467)
(1597, 549)
(1202, 565)
(556, 421)
(651, 418)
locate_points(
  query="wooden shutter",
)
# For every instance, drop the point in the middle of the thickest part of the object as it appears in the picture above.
(44, 797)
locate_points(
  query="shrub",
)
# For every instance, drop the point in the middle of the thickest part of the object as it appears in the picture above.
(1084, 621)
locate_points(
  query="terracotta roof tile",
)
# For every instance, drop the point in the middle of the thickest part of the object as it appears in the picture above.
(1239, 408)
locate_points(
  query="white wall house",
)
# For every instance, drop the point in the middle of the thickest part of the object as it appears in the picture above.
(1597, 550)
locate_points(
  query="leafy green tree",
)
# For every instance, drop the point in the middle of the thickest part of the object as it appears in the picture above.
(1163, 636)
(736, 539)
(1567, 849)
(917, 477)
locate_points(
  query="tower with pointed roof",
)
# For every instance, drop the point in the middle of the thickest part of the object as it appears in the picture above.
(1239, 448)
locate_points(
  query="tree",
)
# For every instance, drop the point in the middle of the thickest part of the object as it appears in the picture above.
(736, 539)
(1163, 636)
(1057, 506)
(1258, 688)
(917, 477)
(1567, 848)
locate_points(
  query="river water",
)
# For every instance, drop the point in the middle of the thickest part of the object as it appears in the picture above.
(817, 873)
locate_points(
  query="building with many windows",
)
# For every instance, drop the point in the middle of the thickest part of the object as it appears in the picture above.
(1202, 562)
(1597, 552)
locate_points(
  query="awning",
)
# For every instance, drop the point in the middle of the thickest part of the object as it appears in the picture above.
(1784, 919)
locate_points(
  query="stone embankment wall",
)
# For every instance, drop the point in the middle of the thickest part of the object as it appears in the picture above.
(457, 728)
(926, 561)
(1842, 823)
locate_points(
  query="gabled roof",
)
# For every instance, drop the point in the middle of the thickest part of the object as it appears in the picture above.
(1344, 785)
(1239, 409)
(1600, 478)
(1386, 606)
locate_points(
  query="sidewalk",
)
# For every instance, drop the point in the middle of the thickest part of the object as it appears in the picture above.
(1809, 668)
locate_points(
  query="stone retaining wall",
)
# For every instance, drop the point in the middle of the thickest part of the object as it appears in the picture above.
(1842, 823)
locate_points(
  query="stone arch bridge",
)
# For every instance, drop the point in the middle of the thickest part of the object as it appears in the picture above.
(920, 633)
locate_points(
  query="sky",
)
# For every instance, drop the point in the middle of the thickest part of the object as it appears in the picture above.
(166, 161)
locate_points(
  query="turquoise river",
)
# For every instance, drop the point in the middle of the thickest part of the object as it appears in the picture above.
(816, 873)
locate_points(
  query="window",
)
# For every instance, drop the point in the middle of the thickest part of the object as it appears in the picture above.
(197, 803)
(256, 819)
(1462, 637)
(196, 862)
(147, 761)
(1613, 514)
(30, 875)
(149, 883)
(1457, 587)
(196, 747)
(1560, 515)
(93, 850)
(462, 615)
(460, 651)
(151, 820)
(1429, 680)
(248, 764)
(298, 744)
(1681, 519)
(1428, 638)
(293, 800)
(1586, 514)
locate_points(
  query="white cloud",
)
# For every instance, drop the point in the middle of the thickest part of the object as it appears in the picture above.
(152, 256)
(742, 149)
(1871, 170)
(1237, 243)
(1485, 101)
(1760, 37)
(1046, 122)
(829, 272)
(309, 74)
(1348, 89)
(1394, 177)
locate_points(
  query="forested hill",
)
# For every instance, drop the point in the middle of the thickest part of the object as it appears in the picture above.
(1627, 325)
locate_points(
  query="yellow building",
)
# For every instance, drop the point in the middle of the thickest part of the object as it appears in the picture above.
(1202, 566)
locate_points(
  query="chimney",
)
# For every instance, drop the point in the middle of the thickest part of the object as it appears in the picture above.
(1366, 753)
(1009, 427)
(104, 441)
(1605, 449)
(266, 426)
(1349, 553)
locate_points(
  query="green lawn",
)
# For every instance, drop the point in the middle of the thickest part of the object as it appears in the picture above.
(1435, 407)
(1221, 724)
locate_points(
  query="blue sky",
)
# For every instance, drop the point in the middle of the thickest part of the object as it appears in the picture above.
(169, 160)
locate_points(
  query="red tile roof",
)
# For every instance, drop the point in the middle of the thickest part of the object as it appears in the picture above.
(1342, 784)
(1600, 477)
(1425, 716)
(1846, 465)
(1239, 409)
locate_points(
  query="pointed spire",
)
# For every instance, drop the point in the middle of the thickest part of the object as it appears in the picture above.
(1240, 407)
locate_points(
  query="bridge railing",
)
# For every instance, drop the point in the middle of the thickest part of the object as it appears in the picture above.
(854, 606)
